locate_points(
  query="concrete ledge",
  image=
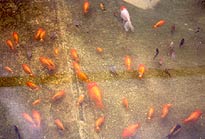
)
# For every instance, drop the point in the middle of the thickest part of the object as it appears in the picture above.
(143, 4)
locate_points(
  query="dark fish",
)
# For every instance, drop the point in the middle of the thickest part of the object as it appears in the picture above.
(17, 132)
(167, 72)
(28, 52)
(76, 23)
(113, 70)
(198, 29)
(174, 130)
(53, 36)
(157, 52)
(181, 42)
(173, 28)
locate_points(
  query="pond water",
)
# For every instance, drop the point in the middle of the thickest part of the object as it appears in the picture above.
(67, 27)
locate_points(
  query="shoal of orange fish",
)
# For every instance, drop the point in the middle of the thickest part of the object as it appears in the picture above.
(128, 62)
(141, 70)
(82, 76)
(16, 37)
(37, 118)
(28, 118)
(102, 6)
(40, 34)
(95, 94)
(80, 99)
(150, 113)
(56, 51)
(8, 69)
(125, 102)
(130, 130)
(10, 45)
(59, 124)
(36, 102)
(86, 7)
(32, 85)
(193, 117)
(99, 122)
(74, 55)
(165, 110)
(159, 24)
(58, 95)
(47, 62)
(27, 69)
(99, 50)
(76, 66)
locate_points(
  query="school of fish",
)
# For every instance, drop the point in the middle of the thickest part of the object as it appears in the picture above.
(94, 91)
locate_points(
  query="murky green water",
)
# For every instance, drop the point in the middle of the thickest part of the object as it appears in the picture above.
(184, 89)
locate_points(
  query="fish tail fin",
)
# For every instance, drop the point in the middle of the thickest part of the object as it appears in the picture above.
(128, 25)
(131, 26)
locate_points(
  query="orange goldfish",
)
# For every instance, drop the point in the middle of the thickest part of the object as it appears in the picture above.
(27, 69)
(86, 7)
(58, 95)
(47, 62)
(95, 94)
(102, 6)
(141, 70)
(159, 24)
(37, 118)
(59, 124)
(42, 35)
(194, 116)
(99, 122)
(36, 102)
(8, 69)
(128, 62)
(150, 113)
(76, 66)
(82, 76)
(32, 85)
(125, 102)
(99, 50)
(74, 55)
(38, 32)
(28, 118)
(56, 51)
(165, 110)
(10, 45)
(80, 99)
(16, 37)
(130, 130)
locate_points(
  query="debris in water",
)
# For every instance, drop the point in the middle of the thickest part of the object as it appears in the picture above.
(113, 70)
(174, 130)
(181, 42)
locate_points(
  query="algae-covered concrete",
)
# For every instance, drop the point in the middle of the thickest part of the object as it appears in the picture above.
(66, 28)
